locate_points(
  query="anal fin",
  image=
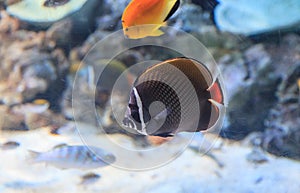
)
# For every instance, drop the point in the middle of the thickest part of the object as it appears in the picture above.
(157, 32)
(217, 116)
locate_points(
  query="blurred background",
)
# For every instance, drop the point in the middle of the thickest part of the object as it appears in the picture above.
(44, 46)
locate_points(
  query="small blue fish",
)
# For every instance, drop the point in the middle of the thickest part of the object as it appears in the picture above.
(80, 157)
(24, 185)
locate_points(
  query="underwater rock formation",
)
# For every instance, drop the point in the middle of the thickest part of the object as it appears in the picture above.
(92, 78)
(251, 92)
(190, 18)
(265, 96)
(208, 5)
(110, 13)
(31, 68)
(282, 135)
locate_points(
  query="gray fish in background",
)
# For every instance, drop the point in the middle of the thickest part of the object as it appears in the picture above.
(89, 178)
(9, 145)
(80, 157)
(21, 185)
(176, 95)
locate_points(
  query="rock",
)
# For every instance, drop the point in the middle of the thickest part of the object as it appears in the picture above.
(93, 83)
(282, 125)
(208, 5)
(256, 59)
(31, 67)
(2, 4)
(29, 116)
(257, 156)
(234, 72)
(284, 54)
(282, 136)
(264, 96)
(110, 14)
(256, 17)
(190, 18)
(58, 34)
(7, 23)
(11, 120)
(100, 91)
(252, 92)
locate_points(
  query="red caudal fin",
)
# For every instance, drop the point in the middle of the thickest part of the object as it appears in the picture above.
(218, 106)
(216, 93)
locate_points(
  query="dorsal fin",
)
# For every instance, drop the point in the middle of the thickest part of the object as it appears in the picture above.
(173, 10)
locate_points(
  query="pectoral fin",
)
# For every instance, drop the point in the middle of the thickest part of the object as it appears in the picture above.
(156, 122)
(161, 116)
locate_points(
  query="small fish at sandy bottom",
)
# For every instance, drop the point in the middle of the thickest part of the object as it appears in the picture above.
(80, 157)
(89, 178)
(143, 18)
(174, 96)
(25, 185)
(9, 145)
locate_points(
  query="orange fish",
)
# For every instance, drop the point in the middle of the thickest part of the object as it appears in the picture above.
(143, 18)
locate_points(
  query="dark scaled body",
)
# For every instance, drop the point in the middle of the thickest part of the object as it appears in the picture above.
(174, 96)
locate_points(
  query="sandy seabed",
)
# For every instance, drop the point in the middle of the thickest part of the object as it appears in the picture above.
(190, 172)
